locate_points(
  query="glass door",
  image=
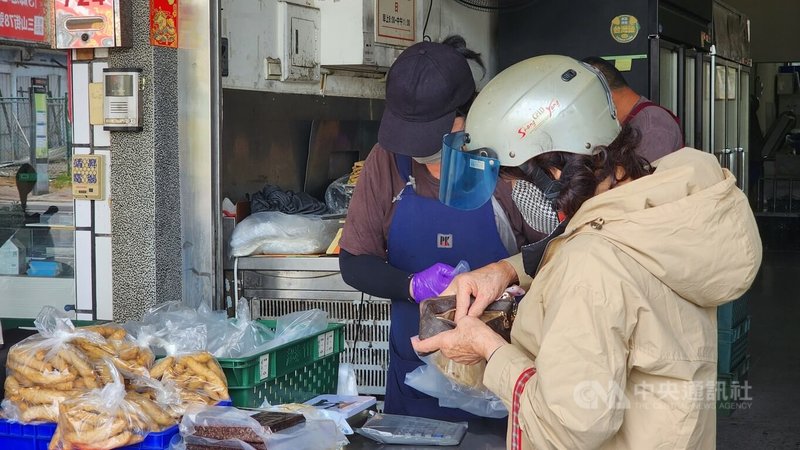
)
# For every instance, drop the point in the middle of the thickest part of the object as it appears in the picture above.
(732, 119)
(706, 106)
(718, 112)
(668, 77)
(690, 91)
(37, 225)
(744, 128)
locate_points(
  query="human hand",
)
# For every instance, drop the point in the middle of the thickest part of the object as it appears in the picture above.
(431, 281)
(486, 284)
(470, 342)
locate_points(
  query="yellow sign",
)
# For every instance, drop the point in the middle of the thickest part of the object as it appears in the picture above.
(624, 28)
(88, 180)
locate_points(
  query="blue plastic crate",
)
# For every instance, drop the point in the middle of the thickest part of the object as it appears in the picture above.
(732, 313)
(20, 436)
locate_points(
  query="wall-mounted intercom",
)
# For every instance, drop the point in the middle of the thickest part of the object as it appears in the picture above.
(122, 105)
(91, 23)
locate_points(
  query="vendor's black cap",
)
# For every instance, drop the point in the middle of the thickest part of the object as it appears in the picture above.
(424, 87)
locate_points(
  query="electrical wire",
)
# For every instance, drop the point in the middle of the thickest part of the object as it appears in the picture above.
(425, 37)
(358, 329)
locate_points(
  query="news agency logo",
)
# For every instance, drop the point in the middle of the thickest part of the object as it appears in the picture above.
(592, 394)
(444, 240)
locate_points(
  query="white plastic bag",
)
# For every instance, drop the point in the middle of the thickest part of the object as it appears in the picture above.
(273, 232)
(348, 384)
(430, 380)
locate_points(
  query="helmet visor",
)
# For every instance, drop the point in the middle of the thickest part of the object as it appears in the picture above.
(468, 178)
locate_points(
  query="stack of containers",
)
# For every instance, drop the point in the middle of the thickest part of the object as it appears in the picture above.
(733, 363)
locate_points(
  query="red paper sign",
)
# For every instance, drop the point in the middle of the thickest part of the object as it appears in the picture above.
(22, 20)
(163, 23)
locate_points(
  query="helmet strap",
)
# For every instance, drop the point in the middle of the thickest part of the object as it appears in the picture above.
(550, 188)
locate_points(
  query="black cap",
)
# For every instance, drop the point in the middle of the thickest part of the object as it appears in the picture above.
(424, 87)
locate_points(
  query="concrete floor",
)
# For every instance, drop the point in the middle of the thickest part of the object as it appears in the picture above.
(772, 418)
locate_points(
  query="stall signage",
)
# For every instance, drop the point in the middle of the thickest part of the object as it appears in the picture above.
(22, 20)
(164, 23)
(624, 28)
(395, 22)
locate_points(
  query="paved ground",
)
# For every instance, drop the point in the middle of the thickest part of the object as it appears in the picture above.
(770, 420)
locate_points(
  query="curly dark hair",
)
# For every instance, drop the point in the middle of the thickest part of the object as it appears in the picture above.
(581, 174)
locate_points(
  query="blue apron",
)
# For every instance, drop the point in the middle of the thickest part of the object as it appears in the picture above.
(423, 232)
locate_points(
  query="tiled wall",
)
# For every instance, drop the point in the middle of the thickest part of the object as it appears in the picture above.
(93, 268)
(128, 248)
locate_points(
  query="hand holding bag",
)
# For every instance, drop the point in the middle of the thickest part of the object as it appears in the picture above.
(436, 316)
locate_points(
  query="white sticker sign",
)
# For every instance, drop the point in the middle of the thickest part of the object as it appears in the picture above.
(263, 367)
(325, 344)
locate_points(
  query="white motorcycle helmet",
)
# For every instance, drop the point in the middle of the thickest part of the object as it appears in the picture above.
(543, 104)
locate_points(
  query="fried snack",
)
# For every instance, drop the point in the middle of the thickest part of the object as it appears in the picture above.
(193, 373)
(85, 422)
(154, 411)
(110, 332)
(39, 413)
(198, 376)
(157, 371)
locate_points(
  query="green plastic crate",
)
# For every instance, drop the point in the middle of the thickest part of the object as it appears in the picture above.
(732, 347)
(732, 313)
(294, 372)
(730, 393)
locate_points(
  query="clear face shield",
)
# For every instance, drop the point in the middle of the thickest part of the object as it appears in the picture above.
(468, 178)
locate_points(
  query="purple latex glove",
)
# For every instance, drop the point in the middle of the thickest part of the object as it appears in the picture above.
(432, 281)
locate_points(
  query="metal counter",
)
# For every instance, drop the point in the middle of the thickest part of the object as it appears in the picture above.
(481, 435)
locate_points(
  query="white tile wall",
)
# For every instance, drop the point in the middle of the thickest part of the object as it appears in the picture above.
(85, 135)
(83, 269)
(102, 209)
(80, 104)
(103, 279)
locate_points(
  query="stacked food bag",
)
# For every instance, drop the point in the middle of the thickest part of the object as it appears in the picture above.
(102, 385)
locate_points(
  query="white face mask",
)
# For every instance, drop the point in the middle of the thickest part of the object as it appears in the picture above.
(436, 157)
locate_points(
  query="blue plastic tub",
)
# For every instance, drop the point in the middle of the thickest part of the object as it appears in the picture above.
(20, 436)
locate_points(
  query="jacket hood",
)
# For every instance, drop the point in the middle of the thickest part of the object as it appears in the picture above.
(687, 224)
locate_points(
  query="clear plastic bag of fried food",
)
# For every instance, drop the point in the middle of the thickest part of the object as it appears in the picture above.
(129, 355)
(45, 369)
(198, 377)
(102, 418)
(162, 401)
(195, 372)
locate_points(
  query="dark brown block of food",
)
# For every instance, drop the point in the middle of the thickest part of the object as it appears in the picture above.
(277, 421)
